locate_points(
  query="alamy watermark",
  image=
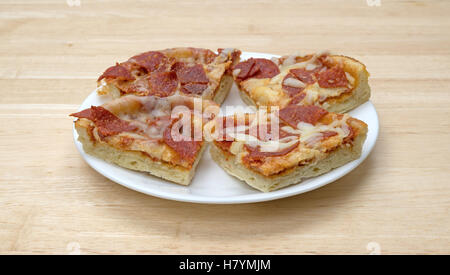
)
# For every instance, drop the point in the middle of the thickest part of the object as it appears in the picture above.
(374, 248)
(73, 248)
(73, 3)
(373, 3)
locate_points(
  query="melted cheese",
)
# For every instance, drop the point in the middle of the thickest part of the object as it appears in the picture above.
(265, 146)
(227, 51)
(275, 60)
(311, 97)
(236, 72)
(315, 93)
(107, 88)
(311, 135)
(261, 117)
(269, 92)
(350, 78)
(101, 87)
(290, 63)
(265, 95)
(290, 60)
(307, 134)
(311, 67)
(294, 82)
(236, 147)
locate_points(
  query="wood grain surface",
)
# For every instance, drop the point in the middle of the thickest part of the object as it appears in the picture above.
(51, 201)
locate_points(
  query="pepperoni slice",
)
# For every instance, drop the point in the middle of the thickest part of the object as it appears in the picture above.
(267, 135)
(293, 114)
(118, 72)
(177, 66)
(107, 123)
(326, 60)
(150, 61)
(186, 149)
(305, 76)
(332, 78)
(203, 55)
(190, 74)
(267, 69)
(163, 84)
(256, 68)
(291, 91)
(255, 153)
(194, 88)
(139, 87)
(299, 97)
(349, 138)
(244, 69)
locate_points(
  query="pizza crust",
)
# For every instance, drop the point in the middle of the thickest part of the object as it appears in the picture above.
(247, 99)
(337, 158)
(223, 89)
(135, 160)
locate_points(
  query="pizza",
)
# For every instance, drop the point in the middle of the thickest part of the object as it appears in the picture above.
(184, 71)
(163, 111)
(333, 82)
(158, 135)
(273, 149)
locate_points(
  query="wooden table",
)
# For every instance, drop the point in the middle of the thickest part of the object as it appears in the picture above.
(51, 201)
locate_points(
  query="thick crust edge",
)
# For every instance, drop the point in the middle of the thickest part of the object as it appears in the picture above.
(335, 159)
(246, 98)
(136, 160)
(223, 89)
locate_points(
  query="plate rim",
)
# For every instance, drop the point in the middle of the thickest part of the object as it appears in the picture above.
(239, 199)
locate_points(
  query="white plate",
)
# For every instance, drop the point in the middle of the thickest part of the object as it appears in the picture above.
(211, 184)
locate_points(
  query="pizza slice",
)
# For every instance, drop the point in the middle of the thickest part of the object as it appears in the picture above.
(161, 136)
(333, 82)
(273, 149)
(185, 71)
